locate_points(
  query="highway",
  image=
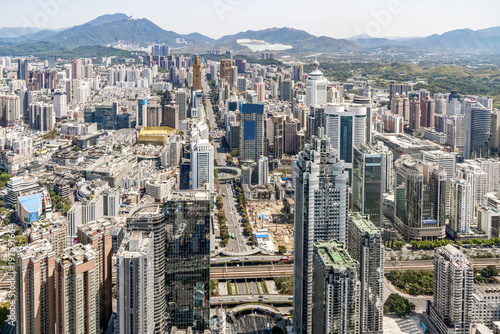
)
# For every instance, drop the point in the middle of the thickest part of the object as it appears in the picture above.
(268, 271)
(239, 243)
(221, 300)
(250, 258)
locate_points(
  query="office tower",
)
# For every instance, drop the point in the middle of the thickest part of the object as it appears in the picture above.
(77, 290)
(286, 90)
(398, 88)
(428, 110)
(202, 164)
(22, 69)
(151, 218)
(60, 104)
(98, 235)
(188, 259)
(454, 103)
(171, 116)
(263, 170)
(76, 69)
(477, 131)
(367, 103)
(135, 280)
(461, 206)
(420, 199)
(453, 288)
(10, 109)
(251, 132)
(181, 101)
(495, 130)
(260, 88)
(336, 291)
(241, 64)
(365, 245)
(290, 138)
(297, 72)
(197, 74)
(226, 71)
(234, 75)
(320, 214)
(372, 166)
(345, 125)
(41, 117)
(414, 119)
(488, 220)
(142, 109)
(35, 289)
(478, 180)
(316, 87)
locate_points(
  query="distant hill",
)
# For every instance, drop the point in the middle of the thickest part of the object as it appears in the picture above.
(108, 29)
(272, 35)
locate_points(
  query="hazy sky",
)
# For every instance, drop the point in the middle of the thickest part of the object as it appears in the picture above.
(215, 18)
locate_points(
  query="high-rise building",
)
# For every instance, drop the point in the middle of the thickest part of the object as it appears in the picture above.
(226, 71)
(450, 311)
(197, 74)
(420, 199)
(151, 218)
(400, 105)
(98, 234)
(251, 132)
(135, 280)
(10, 109)
(316, 87)
(142, 109)
(202, 164)
(461, 206)
(263, 170)
(336, 291)
(42, 117)
(35, 289)
(22, 69)
(60, 104)
(454, 103)
(77, 290)
(181, 101)
(371, 168)
(286, 90)
(495, 130)
(320, 214)
(365, 245)
(345, 125)
(477, 131)
(399, 89)
(478, 180)
(414, 120)
(76, 69)
(428, 111)
(188, 259)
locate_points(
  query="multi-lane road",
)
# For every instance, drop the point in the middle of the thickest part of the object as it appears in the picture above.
(221, 300)
(269, 271)
(239, 244)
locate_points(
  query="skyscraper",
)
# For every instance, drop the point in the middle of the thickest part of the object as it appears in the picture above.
(420, 199)
(428, 111)
(320, 214)
(414, 121)
(35, 289)
(453, 288)
(135, 280)
(151, 218)
(366, 247)
(77, 292)
(399, 89)
(371, 168)
(336, 291)
(41, 117)
(251, 132)
(461, 206)
(316, 87)
(76, 69)
(477, 130)
(197, 74)
(345, 125)
(188, 259)
(226, 71)
(98, 234)
(202, 164)
(60, 104)
(22, 69)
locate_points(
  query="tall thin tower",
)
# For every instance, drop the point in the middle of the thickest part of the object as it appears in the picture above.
(321, 214)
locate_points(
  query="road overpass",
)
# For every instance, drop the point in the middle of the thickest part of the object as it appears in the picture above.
(279, 270)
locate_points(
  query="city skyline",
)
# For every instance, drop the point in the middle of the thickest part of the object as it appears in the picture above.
(218, 18)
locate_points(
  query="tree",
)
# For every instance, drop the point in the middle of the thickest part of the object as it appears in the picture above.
(4, 313)
(398, 305)
(235, 153)
(282, 249)
(252, 240)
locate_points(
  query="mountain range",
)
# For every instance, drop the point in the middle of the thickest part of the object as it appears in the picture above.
(109, 29)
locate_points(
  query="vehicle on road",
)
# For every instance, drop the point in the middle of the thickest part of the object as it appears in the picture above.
(261, 296)
(233, 299)
(290, 298)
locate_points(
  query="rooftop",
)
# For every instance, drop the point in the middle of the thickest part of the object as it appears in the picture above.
(334, 254)
(364, 223)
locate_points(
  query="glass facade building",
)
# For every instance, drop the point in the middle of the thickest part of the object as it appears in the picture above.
(187, 271)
